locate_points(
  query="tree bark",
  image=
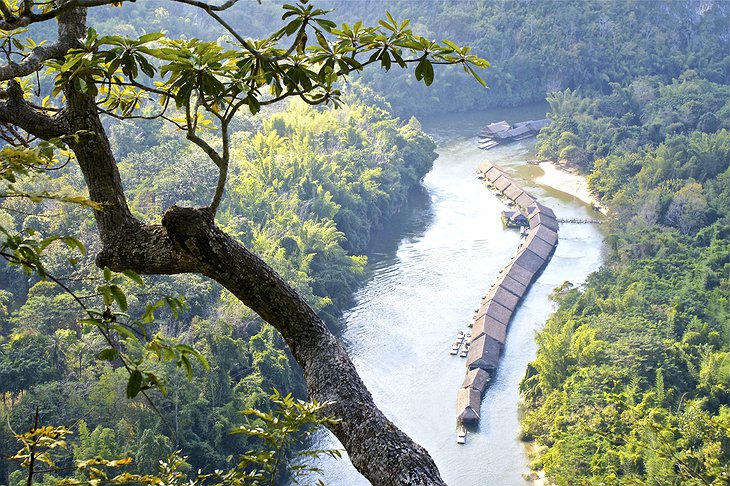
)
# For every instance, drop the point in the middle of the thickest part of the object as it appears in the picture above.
(189, 242)
(377, 448)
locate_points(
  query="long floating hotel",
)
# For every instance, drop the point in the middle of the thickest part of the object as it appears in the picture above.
(493, 316)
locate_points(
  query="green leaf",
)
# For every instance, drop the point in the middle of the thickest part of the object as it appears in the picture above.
(130, 274)
(109, 354)
(106, 295)
(134, 385)
(119, 297)
(150, 37)
(453, 46)
(185, 362)
(156, 382)
(123, 330)
(107, 274)
(476, 76)
(427, 72)
(81, 85)
(72, 243)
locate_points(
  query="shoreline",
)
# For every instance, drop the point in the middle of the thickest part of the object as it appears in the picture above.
(568, 181)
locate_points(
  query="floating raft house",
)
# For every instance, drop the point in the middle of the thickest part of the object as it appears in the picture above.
(492, 319)
(514, 219)
(502, 132)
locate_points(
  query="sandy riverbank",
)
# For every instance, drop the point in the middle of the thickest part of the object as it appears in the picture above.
(568, 181)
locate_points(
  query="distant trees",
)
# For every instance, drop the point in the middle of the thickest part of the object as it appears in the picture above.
(200, 87)
(620, 390)
(585, 129)
(688, 209)
(540, 46)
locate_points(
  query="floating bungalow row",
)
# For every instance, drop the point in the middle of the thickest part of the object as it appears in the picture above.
(493, 316)
(502, 132)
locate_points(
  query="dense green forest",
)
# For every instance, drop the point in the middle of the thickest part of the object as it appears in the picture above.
(632, 379)
(534, 47)
(307, 189)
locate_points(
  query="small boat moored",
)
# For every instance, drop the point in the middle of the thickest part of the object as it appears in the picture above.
(460, 434)
(457, 344)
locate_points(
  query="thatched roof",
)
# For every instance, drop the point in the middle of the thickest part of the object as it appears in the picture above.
(495, 310)
(546, 234)
(503, 297)
(537, 125)
(513, 191)
(517, 131)
(493, 128)
(502, 183)
(529, 260)
(510, 284)
(514, 219)
(493, 174)
(501, 135)
(538, 246)
(519, 273)
(484, 166)
(538, 207)
(491, 327)
(476, 379)
(524, 200)
(484, 354)
(468, 404)
(537, 219)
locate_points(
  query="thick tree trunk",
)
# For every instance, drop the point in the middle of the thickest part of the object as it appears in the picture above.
(379, 450)
(190, 242)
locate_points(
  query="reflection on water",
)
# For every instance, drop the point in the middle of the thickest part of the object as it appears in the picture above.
(426, 273)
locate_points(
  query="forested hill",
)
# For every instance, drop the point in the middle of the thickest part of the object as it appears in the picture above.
(539, 46)
(306, 189)
(631, 384)
(535, 46)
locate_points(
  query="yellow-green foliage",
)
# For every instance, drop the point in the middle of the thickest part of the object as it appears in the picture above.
(631, 384)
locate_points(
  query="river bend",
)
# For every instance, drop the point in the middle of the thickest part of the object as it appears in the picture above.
(427, 271)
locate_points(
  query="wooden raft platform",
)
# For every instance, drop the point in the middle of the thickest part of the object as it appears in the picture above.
(502, 132)
(493, 316)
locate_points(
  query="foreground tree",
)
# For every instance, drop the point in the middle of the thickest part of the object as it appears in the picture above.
(199, 86)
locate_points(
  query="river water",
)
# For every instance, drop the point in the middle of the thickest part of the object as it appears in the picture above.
(427, 271)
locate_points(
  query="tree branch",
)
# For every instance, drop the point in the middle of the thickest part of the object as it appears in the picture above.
(210, 151)
(15, 111)
(189, 241)
(330, 375)
(27, 17)
(247, 45)
(222, 170)
(206, 6)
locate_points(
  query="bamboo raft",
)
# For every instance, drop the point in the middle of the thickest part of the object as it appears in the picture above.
(492, 318)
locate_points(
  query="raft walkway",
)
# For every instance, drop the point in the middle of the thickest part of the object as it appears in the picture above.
(580, 220)
(492, 318)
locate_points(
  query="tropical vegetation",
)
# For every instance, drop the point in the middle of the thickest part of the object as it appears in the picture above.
(631, 383)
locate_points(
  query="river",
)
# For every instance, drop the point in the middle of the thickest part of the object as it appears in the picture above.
(427, 271)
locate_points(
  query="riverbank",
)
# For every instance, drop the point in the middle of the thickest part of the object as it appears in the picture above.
(566, 179)
(422, 281)
(493, 317)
